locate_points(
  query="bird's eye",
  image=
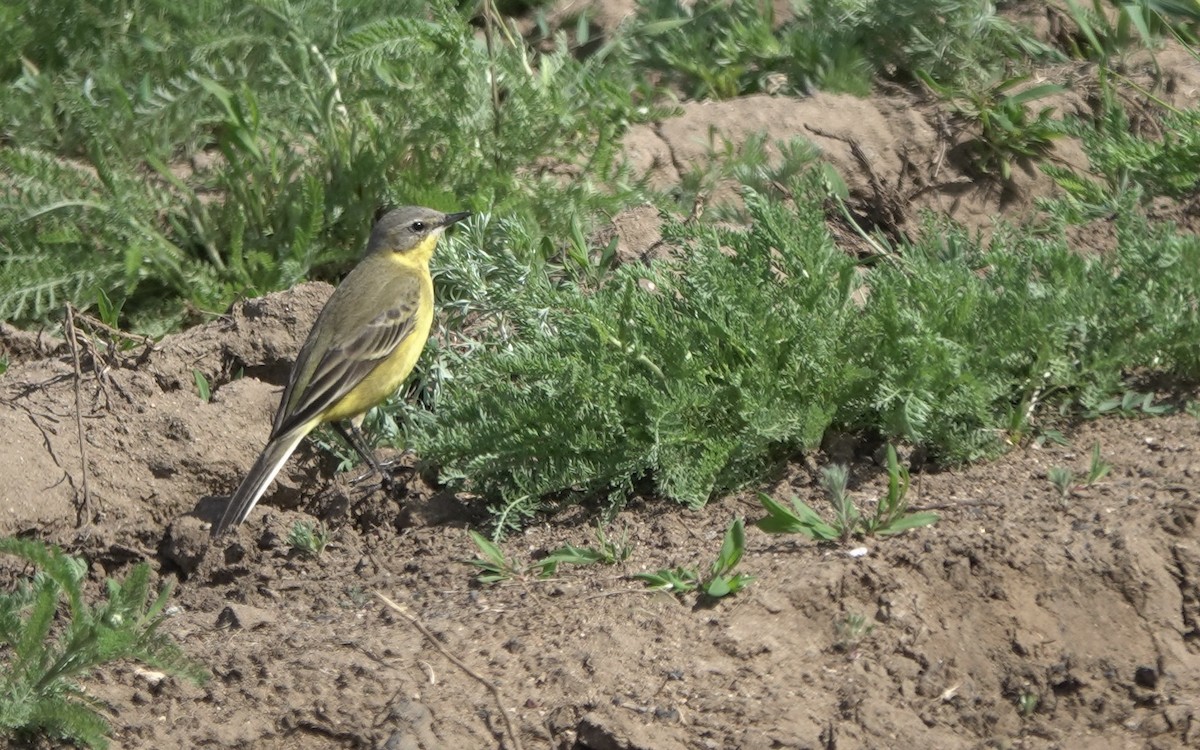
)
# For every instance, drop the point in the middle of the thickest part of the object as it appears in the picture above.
(417, 226)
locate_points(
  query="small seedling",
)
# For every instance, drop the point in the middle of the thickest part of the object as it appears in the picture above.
(613, 550)
(891, 513)
(1130, 404)
(800, 519)
(499, 567)
(607, 552)
(835, 481)
(1192, 409)
(496, 566)
(1027, 703)
(1052, 437)
(674, 580)
(1063, 481)
(110, 314)
(357, 596)
(202, 386)
(850, 631)
(1008, 131)
(1098, 468)
(308, 539)
(721, 580)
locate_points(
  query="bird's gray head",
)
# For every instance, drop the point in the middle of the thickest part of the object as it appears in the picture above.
(405, 229)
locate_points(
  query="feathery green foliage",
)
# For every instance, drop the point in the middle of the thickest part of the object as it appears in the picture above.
(694, 381)
(1168, 165)
(689, 380)
(162, 153)
(45, 655)
(721, 49)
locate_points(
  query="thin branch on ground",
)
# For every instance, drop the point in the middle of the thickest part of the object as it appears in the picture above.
(83, 505)
(495, 691)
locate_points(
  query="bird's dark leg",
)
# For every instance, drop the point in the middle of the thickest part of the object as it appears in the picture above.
(358, 441)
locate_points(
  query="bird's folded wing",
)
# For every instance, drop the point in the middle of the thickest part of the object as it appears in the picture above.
(345, 366)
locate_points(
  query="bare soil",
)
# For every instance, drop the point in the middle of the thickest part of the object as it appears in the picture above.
(1020, 620)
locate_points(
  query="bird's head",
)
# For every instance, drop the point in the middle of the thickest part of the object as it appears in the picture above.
(411, 231)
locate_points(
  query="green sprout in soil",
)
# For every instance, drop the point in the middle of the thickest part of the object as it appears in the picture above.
(497, 566)
(607, 552)
(308, 539)
(202, 386)
(1063, 481)
(1008, 131)
(721, 581)
(1027, 703)
(891, 514)
(1098, 468)
(850, 631)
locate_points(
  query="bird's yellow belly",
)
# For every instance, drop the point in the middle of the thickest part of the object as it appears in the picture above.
(385, 378)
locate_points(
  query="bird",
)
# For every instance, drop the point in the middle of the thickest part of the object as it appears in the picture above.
(363, 345)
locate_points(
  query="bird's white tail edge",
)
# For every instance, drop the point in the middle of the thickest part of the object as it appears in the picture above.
(272, 459)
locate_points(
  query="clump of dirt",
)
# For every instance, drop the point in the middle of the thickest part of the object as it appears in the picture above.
(154, 448)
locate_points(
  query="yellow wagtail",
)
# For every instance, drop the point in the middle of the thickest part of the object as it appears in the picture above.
(362, 347)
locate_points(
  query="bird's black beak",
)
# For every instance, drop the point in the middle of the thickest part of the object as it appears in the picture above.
(455, 218)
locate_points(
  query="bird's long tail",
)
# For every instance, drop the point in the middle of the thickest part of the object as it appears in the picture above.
(256, 482)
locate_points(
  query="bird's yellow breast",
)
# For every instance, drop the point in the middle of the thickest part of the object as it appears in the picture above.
(391, 372)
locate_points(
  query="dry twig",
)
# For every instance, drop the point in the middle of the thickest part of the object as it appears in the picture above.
(495, 691)
(83, 507)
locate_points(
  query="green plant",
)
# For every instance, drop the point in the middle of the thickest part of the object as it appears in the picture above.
(1129, 161)
(891, 514)
(673, 580)
(957, 42)
(608, 552)
(834, 480)
(695, 382)
(721, 581)
(715, 49)
(309, 539)
(496, 566)
(1008, 132)
(613, 551)
(1063, 481)
(1110, 29)
(1027, 703)
(45, 655)
(226, 164)
(1098, 468)
(202, 387)
(850, 631)
(1129, 404)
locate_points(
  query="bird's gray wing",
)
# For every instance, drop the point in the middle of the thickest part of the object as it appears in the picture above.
(344, 366)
